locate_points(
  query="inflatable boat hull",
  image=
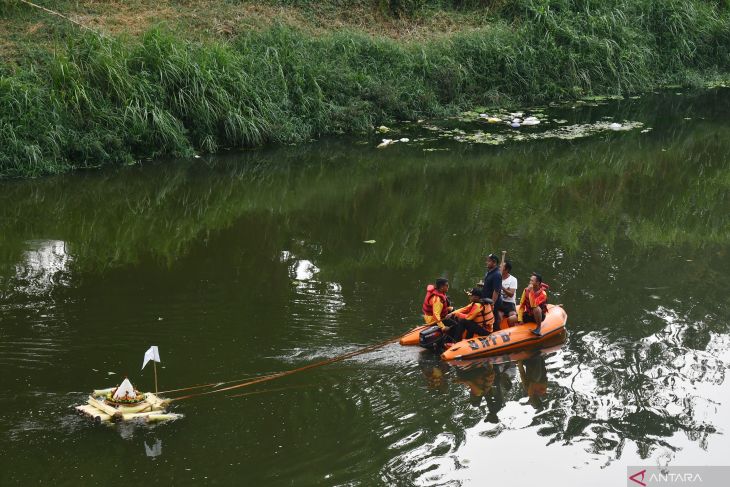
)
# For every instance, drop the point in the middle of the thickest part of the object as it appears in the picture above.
(511, 339)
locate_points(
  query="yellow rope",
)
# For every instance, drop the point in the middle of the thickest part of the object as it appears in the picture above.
(277, 375)
(214, 384)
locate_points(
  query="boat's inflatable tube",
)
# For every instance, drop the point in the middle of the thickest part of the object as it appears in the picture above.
(553, 344)
(515, 338)
(411, 338)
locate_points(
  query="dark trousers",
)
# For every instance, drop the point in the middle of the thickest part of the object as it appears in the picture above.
(474, 329)
(456, 329)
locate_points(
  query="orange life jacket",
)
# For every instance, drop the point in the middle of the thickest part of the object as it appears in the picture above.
(485, 317)
(530, 299)
(431, 291)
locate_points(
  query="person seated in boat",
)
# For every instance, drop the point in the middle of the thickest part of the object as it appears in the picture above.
(436, 307)
(509, 292)
(533, 304)
(477, 318)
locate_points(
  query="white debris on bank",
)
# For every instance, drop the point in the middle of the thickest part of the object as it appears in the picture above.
(387, 142)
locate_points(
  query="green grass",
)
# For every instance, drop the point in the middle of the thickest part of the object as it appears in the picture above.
(95, 101)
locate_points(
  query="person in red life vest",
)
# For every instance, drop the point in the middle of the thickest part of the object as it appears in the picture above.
(533, 305)
(477, 317)
(436, 307)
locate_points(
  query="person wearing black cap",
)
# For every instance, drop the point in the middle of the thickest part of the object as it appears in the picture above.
(493, 282)
(477, 318)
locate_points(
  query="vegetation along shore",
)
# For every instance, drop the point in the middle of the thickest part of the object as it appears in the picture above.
(142, 81)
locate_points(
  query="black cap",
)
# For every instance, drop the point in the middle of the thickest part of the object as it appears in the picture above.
(475, 292)
(493, 257)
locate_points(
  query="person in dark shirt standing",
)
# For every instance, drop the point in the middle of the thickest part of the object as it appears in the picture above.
(493, 282)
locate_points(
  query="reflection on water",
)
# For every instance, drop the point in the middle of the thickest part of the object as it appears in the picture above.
(598, 396)
(256, 263)
(155, 450)
(44, 265)
(490, 382)
(533, 375)
(598, 191)
(312, 293)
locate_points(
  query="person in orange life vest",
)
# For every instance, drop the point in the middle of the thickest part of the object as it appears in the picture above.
(533, 304)
(436, 307)
(477, 317)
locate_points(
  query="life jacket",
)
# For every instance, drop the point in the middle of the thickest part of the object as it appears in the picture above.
(485, 317)
(431, 291)
(528, 305)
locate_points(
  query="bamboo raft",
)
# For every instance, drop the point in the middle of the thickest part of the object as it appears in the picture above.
(151, 409)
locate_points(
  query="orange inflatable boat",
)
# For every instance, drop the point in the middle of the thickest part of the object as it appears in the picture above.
(511, 339)
(503, 341)
(551, 344)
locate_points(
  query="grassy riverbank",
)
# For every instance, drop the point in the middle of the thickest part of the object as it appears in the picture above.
(276, 73)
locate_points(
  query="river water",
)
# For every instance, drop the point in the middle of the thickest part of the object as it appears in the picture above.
(256, 262)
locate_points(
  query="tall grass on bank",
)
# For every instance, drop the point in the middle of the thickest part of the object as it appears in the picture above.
(114, 101)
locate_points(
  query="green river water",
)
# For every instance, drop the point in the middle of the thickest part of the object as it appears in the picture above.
(256, 262)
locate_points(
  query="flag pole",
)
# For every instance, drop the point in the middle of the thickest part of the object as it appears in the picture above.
(154, 365)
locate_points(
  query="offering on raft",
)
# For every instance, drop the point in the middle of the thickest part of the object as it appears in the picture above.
(124, 394)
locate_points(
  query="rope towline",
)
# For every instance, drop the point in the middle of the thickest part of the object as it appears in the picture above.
(212, 384)
(266, 378)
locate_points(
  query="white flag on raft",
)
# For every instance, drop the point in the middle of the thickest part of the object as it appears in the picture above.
(151, 354)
